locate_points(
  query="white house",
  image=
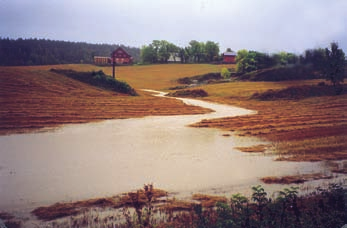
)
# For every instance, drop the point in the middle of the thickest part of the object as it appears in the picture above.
(174, 57)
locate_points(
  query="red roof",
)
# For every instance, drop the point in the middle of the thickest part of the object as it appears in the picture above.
(120, 53)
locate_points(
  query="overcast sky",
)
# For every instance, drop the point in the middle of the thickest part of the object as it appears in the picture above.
(261, 25)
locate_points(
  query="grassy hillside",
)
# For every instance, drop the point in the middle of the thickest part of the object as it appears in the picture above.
(160, 77)
(163, 76)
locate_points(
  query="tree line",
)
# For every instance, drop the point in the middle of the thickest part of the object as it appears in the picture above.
(248, 61)
(330, 62)
(18, 52)
(13, 52)
(160, 51)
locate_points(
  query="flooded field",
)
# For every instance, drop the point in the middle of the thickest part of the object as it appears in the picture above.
(99, 159)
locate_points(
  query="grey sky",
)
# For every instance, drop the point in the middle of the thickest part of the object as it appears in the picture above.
(262, 25)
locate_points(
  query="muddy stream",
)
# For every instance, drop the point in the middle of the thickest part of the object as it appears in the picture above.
(82, 161)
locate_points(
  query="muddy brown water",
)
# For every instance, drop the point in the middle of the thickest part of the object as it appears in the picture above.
(83, 161)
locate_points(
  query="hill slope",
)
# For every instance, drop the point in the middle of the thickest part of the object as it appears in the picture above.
(34, 97)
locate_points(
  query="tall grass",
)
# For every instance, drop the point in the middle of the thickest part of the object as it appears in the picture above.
(321, 209)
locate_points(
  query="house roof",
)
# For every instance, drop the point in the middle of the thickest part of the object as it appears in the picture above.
(230, 53)
(120, 53)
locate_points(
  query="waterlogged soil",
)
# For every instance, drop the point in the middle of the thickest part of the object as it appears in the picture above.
(86, 161)
(33, 98)
(312, 129)
(79, 162)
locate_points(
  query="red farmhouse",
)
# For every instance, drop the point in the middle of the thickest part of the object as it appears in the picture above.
(120, 56)
(229, 57)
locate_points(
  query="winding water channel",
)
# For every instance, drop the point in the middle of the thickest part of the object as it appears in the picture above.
(101, 159)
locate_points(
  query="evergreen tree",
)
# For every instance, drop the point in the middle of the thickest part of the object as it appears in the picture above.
(334, 69)
(45, 52)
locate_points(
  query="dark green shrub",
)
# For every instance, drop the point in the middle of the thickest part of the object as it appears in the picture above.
(99, 79)
(297, 92)
(285, 73)
(200, 78)
(225, 217)
(189, 93)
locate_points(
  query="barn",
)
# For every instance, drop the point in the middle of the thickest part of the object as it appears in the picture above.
(120, 56)
(229, 57)
(102, 60)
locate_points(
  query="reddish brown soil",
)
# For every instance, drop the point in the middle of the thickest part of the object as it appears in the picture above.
(60, 210)
(208, 201)
(253, 149)
(310, 129)
(297, 179)
(189, 93)
(160, 201)
(32, 99)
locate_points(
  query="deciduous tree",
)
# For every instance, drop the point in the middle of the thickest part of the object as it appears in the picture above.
(246, 61)
(196, 50)
(212, 50)
(148, 54)
(334, 69)
(240, 61)
(163, 51)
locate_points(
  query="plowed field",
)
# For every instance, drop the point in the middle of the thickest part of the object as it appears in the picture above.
(310, 129)
(307, 129)
(33, 97)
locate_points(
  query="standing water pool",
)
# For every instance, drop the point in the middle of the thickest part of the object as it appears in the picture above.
(82, 161)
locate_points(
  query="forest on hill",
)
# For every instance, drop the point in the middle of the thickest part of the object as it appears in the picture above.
(23, 52)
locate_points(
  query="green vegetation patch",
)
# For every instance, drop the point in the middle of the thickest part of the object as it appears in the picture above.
(299, 92)
(323, 63)
(99, 79)
(189, 93)
(199, 79)
(284, 73)
(321, 208)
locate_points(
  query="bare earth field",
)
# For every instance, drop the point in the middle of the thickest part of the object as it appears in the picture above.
(310, 129)
(34, 97)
